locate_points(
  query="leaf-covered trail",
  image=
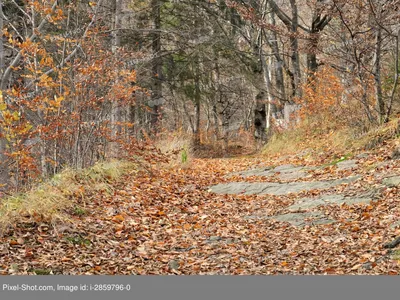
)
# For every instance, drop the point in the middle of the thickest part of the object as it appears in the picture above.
(168, 222)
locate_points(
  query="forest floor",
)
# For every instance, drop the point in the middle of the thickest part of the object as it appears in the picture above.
(306, 213)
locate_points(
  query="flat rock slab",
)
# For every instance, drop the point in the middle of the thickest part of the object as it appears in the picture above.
(347, 164)
(307, 203)
(286, 172)
(297, 219)
(256, 172)
(392, 181)
(272, 188)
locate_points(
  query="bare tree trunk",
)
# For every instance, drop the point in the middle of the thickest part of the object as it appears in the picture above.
(225, 125)
(278, 65)
(271, 108)
(4, 172)
(116, 44)
(156, 96)
(295, 49)
(396, 76)
(197, 98)
(377, 76)
(279, 81)
(317, 25)
(260, 117)
(219, 97)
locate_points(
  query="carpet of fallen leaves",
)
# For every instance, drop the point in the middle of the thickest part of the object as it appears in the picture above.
(167, 222)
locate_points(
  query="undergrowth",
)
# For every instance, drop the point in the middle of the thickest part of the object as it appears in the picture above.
(49, 200)
(342, 140)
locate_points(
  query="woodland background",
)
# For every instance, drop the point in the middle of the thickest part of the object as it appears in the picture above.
(87, 81)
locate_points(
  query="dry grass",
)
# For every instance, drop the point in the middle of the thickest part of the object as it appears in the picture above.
(344, 139)
(178, 145)
(300, 138)
(375, 137)
(48, 200)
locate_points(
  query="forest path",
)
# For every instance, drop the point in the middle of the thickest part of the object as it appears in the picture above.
(289, 215)
(288, 179)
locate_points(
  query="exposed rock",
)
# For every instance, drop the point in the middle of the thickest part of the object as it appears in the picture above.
(260, 188)
(347, 164)
(214, 238)
(173, 264)
(307, 203)
(391, 181)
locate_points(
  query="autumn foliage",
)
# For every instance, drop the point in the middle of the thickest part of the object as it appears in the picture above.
(57, 113)
(328, 105)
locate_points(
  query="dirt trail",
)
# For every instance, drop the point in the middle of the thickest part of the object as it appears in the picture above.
(281, 218)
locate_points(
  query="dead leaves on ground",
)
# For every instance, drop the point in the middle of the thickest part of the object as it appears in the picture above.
(169, 223)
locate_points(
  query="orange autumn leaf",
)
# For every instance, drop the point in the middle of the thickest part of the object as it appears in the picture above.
(118, 218)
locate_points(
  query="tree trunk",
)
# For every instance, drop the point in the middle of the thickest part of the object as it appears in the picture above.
(115, 111)
(4, 174)
(317, 25)
(260, 117)
(377, 76)
(279, 79)
(294, 45)
(197, 96)
(156, 95)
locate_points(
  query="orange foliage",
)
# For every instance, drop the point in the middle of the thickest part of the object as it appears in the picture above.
(328, 104)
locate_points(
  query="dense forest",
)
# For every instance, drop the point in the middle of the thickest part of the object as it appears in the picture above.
(83, 81)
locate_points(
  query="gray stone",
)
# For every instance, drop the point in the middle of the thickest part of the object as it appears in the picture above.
(173, 264)
(383, 164)
(307, 203)
(362, 155)
(395, 224)
(391, 181)
(292, 175)
(347, 164)
(214, 238)
(285, 168)
(286, 172)
(272, 188)
(256, 172)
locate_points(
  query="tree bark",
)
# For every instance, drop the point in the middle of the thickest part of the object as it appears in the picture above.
(377, 76)
(4, 170)
(156, 95)
(260, 117)
(294, 45)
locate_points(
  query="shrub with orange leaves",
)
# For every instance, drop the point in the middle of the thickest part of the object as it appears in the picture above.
(328, 105)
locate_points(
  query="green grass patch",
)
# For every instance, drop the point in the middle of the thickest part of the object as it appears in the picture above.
(79, 211)
(78, 240)
(41, 271)
(338, 160)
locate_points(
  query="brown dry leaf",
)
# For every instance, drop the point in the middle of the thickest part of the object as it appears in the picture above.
(118, 218)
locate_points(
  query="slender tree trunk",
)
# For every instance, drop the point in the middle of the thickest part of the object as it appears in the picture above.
(295, 49)
(4, 171)
(271, 107)
(218, 95)
(396, 76)
(116, 44)
(377, 76)
(197, 98)
(156, 96)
